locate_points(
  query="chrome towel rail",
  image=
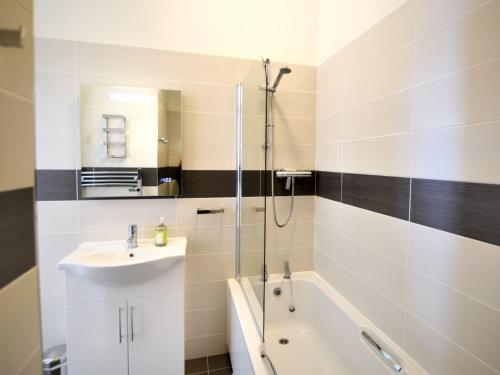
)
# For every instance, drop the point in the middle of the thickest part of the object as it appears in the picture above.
(386, 357)
(120, 131)
(100, 178)
(201, 211)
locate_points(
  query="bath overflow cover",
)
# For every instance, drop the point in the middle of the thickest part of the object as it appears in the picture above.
(283, 341)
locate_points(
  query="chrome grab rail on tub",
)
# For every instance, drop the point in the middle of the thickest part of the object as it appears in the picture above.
(386, 357)
(264, 355)
(201, 211)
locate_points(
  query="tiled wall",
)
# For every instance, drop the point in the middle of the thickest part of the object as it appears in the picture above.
(415, 99)
(207, 84)
(19, 313)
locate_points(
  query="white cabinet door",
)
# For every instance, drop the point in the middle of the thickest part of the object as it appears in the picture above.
(156, 336)
(97, 344)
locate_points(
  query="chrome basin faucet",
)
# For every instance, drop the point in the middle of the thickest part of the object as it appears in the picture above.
(287, 272)
(132, 236)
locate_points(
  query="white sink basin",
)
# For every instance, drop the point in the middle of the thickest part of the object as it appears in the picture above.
(110, 262)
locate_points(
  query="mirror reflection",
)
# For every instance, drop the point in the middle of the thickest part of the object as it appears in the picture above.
(130, 142)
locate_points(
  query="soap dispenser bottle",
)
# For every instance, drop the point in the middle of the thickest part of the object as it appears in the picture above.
(161, 234)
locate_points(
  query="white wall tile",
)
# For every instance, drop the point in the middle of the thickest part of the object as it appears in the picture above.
(466, 97)
(384, 77)
(208, 127)
(432, 14)
(465, 153)
(209, 155)
(55, 88)
(56, 121)
(467, 265)
(209, 267)
(295, 234)
(55, 55)
(470, 40)
(386, 36)
(329, 157)
(190, 67)
(100, 215)
(293, 130)
(205, 295)
(330, 100)
(57, 153)
(295, 104)
(392, 155)
(382, 233)
(437, 354)
(388, 316)
(376, 270)
(389, 115)
(327, 213)
(124, 61)
(205, 322)
(472, 325)
(207, 98)
(329, 129)
(57, 216)
(209, 240)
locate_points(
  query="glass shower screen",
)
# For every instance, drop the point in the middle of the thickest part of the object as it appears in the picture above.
(251, 200)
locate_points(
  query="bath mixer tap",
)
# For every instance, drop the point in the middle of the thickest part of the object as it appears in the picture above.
(287, 272)
(132, 236)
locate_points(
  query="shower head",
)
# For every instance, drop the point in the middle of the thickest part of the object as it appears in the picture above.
(284, 70)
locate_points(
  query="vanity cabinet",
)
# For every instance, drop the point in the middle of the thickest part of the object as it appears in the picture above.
(134, 337)
(93, 334)
(125, 314)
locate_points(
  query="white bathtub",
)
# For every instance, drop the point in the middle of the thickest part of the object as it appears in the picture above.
(324, 332)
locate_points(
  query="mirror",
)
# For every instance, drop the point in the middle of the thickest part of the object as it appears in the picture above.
(130, 142)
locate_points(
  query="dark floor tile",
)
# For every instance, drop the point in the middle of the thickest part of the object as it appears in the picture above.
(195, 366)
(225, 371)
(220, 361)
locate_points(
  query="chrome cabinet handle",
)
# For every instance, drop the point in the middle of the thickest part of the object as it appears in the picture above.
(120, 336)
(163, 140)
(132, 323)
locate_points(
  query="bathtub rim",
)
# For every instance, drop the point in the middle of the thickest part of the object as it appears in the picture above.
(411, 367)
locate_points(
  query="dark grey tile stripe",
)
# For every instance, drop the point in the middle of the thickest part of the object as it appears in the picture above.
(382, 194)
(17, 234)
(208, 184)
(329, 185)
(56, 184)
(467, 209)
